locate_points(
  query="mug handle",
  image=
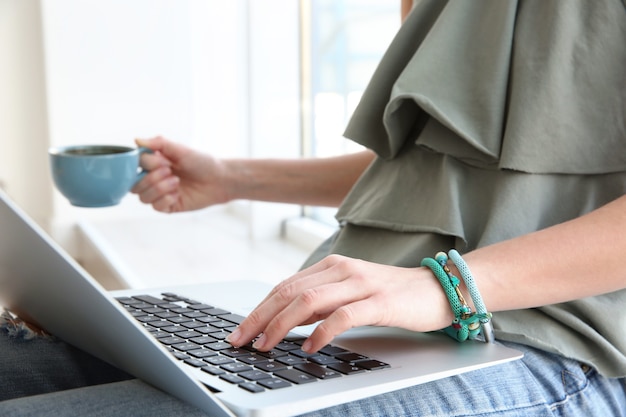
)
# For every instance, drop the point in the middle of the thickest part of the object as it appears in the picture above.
(142, 172)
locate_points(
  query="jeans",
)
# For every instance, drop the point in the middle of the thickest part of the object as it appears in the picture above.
(41, 376)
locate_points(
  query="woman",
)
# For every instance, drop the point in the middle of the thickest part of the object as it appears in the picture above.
(497, 128)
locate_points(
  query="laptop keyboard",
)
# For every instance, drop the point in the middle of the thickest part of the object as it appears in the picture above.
(195, 333)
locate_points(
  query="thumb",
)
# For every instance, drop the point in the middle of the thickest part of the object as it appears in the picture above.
(170, 150)
(156, 143)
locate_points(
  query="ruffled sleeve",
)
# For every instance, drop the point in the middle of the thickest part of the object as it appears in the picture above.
(532, 86)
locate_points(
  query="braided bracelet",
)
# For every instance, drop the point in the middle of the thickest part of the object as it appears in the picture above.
(466, 324)
(468, 278)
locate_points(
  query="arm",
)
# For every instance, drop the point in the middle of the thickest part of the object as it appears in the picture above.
(319, 181)
(182, 179)
(572, 260)
(405, 8)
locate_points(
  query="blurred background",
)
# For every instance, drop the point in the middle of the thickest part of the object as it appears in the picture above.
(271, 78)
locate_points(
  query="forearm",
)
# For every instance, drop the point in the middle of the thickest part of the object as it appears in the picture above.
(316, 181)
(572, 260)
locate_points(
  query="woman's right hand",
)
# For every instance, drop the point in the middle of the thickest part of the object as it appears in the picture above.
(180, 178)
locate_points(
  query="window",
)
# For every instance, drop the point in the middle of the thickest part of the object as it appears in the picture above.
(342, 43)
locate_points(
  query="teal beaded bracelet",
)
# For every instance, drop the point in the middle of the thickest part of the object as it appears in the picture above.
(466, 324)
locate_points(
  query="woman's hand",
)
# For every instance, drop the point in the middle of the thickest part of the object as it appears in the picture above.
(346, 293)
(180, 178)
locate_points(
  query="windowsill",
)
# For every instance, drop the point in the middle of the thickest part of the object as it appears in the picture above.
(212, 245)
(306, 233)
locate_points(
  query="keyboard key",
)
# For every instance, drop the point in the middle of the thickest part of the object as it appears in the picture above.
(272, 354)
(195, 362)
(295, 376)
(182, 310)
(201, 353)
(192, 324)
(317, 371)
(176, 319)
(184, 347)
(213, 370)
(213, 311)
(252, 359)
(147, 319)
(373, 364)
(287, 346)
(291, 360)
(141, 305)
(179, 355)
(233, 379)
(218, 360)
(236, 367)
(200, 306)
(188, 334)
(206, 329)
(159, 334)
(219, 335)
(274, 383)
(202, 340)
(351, 357)
(220, 324)
(346, 368)
(191, 313)
(164, 314)
(254, 375)
(218, 346)
(127, 300)
(270, 366)
(236, 352)
(153, 310)
(150, 299)
(332, 350)
(170, 306)
(206, 319)
(233, 318)
(323, 359)
(252, 387)
(302, 354)
(172, 340)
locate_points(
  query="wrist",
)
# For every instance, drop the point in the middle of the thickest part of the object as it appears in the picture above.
(235, 178)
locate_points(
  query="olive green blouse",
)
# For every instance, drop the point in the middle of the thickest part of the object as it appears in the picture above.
(492, 119)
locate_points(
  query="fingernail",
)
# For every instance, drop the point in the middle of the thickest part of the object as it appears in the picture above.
(234, 337)
(260, 342)
(306, 346)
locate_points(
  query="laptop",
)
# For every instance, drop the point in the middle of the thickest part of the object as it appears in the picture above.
(136, 330)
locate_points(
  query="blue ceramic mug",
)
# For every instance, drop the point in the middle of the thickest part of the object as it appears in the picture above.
(95, 175)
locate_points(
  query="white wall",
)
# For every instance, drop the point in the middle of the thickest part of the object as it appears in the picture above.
(219, 75)
(23, 112)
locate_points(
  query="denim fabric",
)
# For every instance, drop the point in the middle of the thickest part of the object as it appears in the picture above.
(539, 385)
(39, 364)
(43, 376)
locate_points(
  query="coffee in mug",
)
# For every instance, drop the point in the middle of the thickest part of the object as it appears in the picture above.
(95, 175)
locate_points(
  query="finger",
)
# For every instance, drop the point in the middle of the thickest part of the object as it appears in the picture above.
(168, 186)
(282, 295)
(331, 269)
(172, 151)
(360, 313)
(310, 306)
(156, 143)
(152, 180)
(152, 161)
(313, 275)
(166, 204)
